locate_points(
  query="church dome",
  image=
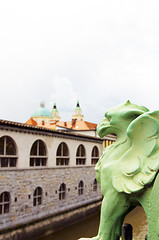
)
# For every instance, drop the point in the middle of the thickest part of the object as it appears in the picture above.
(42, 111)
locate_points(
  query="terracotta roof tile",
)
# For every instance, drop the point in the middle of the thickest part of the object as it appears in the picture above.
(77, 125)
(31, 122)
(74, 124)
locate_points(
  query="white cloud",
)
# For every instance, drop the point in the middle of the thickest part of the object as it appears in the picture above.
(64, 95)
(107, 51)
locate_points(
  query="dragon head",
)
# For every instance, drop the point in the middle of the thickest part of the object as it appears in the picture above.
(118, 118)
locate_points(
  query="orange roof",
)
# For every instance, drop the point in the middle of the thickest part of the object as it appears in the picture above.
(77, 125)
(31, 122)
(74, 124)
(46, 124)
(49, 125)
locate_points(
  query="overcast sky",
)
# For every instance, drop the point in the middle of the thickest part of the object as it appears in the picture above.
(100, 52)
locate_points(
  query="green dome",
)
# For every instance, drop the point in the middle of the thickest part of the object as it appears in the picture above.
(42, 111)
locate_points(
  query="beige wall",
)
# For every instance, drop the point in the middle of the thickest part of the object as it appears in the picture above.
(24, 143)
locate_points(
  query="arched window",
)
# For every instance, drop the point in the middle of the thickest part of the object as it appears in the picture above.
(95, 185)
(38, 154)
(37, 197)
(8, 156)
(80, 188)
(4, 202)
(62, 155)
(81, 155)
(62, 191)
(95, 155)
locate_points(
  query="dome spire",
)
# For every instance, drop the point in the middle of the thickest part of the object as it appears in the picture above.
(55, 113)
(42, 104)
(78, 113)
(54, 106)
(78, 105)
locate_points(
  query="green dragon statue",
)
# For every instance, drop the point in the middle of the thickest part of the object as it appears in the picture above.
(128, 169)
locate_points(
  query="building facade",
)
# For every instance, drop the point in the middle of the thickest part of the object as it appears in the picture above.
(45, 174)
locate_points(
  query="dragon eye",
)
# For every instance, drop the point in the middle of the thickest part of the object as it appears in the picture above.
(108, 117)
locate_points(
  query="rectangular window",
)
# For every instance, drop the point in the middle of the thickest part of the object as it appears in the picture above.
(39, 200)
(34, 202)
(43, 161)
(8, 162)
(13, 162)
(80, 161)
(37, 162)
(31, 162)
(6, 208)
(62, 161)
(95, 160)
(4, 162)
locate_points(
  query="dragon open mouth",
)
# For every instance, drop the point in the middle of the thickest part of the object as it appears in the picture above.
(102, 128)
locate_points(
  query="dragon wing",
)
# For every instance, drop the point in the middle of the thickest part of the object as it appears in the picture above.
(139, 165)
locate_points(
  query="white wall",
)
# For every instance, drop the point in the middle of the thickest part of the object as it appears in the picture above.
(24, 142)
